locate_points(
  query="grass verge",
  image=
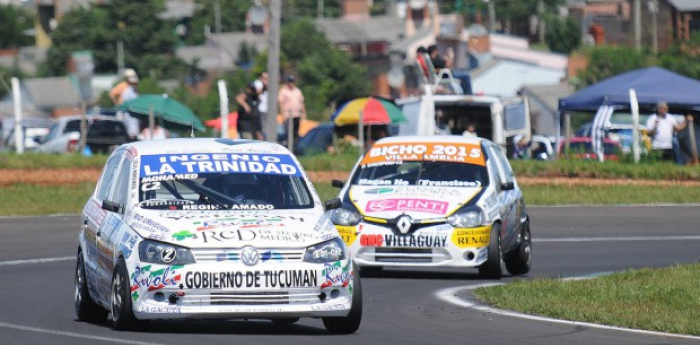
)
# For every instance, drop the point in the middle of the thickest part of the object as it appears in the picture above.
(50, 161)
(25, 199)
(664, 300)
(625, 170)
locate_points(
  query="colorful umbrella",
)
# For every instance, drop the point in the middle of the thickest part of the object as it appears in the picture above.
(164, 108)
(375, 111)
(216, 123)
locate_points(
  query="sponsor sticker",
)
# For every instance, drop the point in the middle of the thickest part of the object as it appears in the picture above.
(408, 204)
(347, 233)
(413, 241)
(251, 279)
(390, 153)
(202, 163)
(472, 238)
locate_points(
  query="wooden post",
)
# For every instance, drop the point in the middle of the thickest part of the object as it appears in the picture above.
(151, 122)
(693, 143)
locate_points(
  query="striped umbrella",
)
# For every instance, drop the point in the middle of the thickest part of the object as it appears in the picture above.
(374, 111)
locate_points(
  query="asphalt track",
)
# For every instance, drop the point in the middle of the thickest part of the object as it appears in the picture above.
(36, 303)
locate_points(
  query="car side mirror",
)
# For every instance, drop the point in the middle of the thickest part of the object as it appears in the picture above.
(507, 186)
(111, 206)
(337, 183)
(332, 204)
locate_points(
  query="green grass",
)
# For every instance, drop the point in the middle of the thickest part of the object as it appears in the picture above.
(23, 199)
(582, 168)
(609, 195)
(49, 161)
(663, 300)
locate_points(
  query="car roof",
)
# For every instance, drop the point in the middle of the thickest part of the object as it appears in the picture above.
(205, 145)
(589, 139)
(457, 139)
(89, 117)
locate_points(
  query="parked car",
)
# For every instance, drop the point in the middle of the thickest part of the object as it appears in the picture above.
(32, 138)
(582, 148)
(104, 133)
(435, 201)
(211, 229)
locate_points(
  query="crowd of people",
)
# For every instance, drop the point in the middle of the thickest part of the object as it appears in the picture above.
(125, 91)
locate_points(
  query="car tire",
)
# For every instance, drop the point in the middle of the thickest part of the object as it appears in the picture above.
(285, 320)
(123, 318)
(351, 323)
(521, 260)
(85, 308)
(492, 268)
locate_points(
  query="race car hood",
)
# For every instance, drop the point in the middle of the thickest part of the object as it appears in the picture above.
(227, 229)
(417, 201)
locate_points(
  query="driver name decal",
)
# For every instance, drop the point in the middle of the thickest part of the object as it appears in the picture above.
(390, 153)
(202, 163)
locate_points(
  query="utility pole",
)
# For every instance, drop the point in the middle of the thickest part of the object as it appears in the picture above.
(120, 57)
(217, 24)
(320, 8)
(492, 15)
(654, 10)
(637, 10)
(540, 21)
(273, 70)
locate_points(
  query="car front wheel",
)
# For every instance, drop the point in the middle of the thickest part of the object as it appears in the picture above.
(351, 323)
(85, 308)
(491, 269)
(123, 318)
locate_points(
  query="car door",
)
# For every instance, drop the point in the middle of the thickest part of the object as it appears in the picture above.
(508, 198)
(93, 219)
(106, 234)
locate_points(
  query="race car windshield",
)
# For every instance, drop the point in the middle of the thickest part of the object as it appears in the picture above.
(238, 182)
(422, 173)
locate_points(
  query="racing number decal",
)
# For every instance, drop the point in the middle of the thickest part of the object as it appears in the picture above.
(149, 186)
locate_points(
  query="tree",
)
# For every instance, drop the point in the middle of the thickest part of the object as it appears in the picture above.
(326, 74)
(563, 35)
(233, 16)
(149, 42)
(683, 57)
(13, 22)
(606, 61)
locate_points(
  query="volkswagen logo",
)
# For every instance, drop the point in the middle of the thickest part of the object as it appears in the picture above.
(404, 224)
(250, 256)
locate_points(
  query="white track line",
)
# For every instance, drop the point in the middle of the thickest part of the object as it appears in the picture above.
(618, 238)
(449, 295)
(72, 334)
(35, 261)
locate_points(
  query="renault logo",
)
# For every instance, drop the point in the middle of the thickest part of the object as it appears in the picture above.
(249, 256)
(404, 224)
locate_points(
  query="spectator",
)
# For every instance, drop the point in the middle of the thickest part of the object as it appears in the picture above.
(129, 93)
(438, 62)
(261, 88)
(291, 101)
(442, 127)
(115, 94)
(661, 127)
(249, 125)
(521, 145)
(158, 133)
(470, 131)
(420, 59)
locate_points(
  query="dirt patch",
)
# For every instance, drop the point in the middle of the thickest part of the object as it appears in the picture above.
(49, 177)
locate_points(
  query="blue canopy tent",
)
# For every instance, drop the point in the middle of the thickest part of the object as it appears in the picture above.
(652, 85)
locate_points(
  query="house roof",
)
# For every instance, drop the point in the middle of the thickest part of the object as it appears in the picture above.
(374, 29)
(549, 95)
(685, 5)
(506, 77)
(176, 9)
(51, 92)
(207, 58)
(230, 42)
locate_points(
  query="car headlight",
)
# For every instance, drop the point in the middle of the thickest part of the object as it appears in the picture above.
(341, 216)
(469, 218)
(328, 251)
(164, 253)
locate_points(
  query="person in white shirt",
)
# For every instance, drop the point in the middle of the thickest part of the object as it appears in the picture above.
(660, 127)
(131, 93)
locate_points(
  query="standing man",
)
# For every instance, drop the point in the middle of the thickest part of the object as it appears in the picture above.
(292, 105)
(661, 127)
(125, 91)
(249, 126)
(261, 88)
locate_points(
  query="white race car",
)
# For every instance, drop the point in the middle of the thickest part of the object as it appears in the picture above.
(211, 229)
(447, 201)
